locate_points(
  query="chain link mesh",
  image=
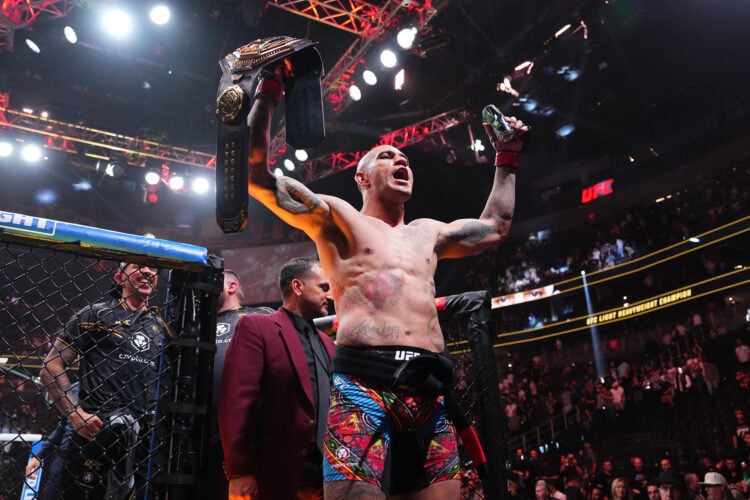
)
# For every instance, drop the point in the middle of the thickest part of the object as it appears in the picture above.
(72, 353)
(467, 390)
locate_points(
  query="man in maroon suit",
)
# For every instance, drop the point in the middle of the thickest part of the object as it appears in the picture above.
(274, 392)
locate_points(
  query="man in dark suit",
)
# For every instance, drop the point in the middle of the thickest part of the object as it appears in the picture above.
(274, 392)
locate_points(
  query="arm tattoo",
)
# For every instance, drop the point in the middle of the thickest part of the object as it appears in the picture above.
(296, 199)
(471, 232)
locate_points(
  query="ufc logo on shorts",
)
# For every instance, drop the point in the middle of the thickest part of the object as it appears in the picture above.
(405, 355)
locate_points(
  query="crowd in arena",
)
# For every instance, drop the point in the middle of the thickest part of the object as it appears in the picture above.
(687, 359)
(635, 231)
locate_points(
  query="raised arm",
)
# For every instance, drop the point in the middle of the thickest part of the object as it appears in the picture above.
(288, 198)
(468, 236)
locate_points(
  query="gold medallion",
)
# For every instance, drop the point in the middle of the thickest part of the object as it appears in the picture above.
(229, 104)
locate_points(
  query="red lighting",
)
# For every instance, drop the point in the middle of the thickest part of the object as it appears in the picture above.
(599, 190)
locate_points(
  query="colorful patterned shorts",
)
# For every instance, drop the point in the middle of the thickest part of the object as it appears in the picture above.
(390, 438)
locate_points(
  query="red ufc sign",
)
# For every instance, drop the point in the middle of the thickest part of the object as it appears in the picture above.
(596, 191)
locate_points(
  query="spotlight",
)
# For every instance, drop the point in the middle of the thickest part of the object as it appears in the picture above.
(562, 30)
(70, 34)
(114, 169)
(31, 153)
(6, 149)
(369, 77)
(406, 37)
(176, 182)
(565, 130)
(32, 46)
(159, 15)
(117, 23)
(45, 196)
(301, 155)
(289, 165)
(151, 194)
(355, 93)
(530, 104)
(152, 178)
(477, 145)
(200, 185)
(388, 58)
(526, 65)
(398, 80)
(82, 185)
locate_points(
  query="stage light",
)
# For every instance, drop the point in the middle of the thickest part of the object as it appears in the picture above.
(114, 169)
(301, 155)
(82, 185)
(70, 34)
(398, 80)
(200, 185)
(369, 77)
(152, 178)
(32, 46)
(694, 240)
(160, 15)
(505, 86)
(477, 145)
(289, 164)
(562, 30)
(565, 130)
(45, 196)
(150, 194)
(572, 74)
(355, 93)
(529, 104)
(406, 37)
(44, 114)
(6, 149)
(176, 182)
(525, 66)
(28, 111)
(117, 23)
(31, 153)
(388, 58)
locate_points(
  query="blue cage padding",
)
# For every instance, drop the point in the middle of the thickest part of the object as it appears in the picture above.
(97, 242)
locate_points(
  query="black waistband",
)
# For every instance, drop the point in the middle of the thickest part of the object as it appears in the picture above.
(407, 368)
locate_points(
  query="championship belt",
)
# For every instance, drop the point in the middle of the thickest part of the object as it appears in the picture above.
(304, 114)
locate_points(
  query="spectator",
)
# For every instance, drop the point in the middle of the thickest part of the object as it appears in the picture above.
(671, 485)
(621, 489)
(117, 344)
(230, 310)
(716, 487)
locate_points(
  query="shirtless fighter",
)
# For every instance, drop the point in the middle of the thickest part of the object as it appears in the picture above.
(387, 430)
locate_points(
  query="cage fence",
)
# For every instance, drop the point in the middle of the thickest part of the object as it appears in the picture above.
(467, 327)
(105, 361)
(101, 401)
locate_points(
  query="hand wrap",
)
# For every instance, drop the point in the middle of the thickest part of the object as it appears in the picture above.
(271, 88)
(507, 159)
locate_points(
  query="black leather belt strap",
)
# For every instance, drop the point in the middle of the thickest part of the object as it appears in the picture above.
(429, 374)
(304, 111)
